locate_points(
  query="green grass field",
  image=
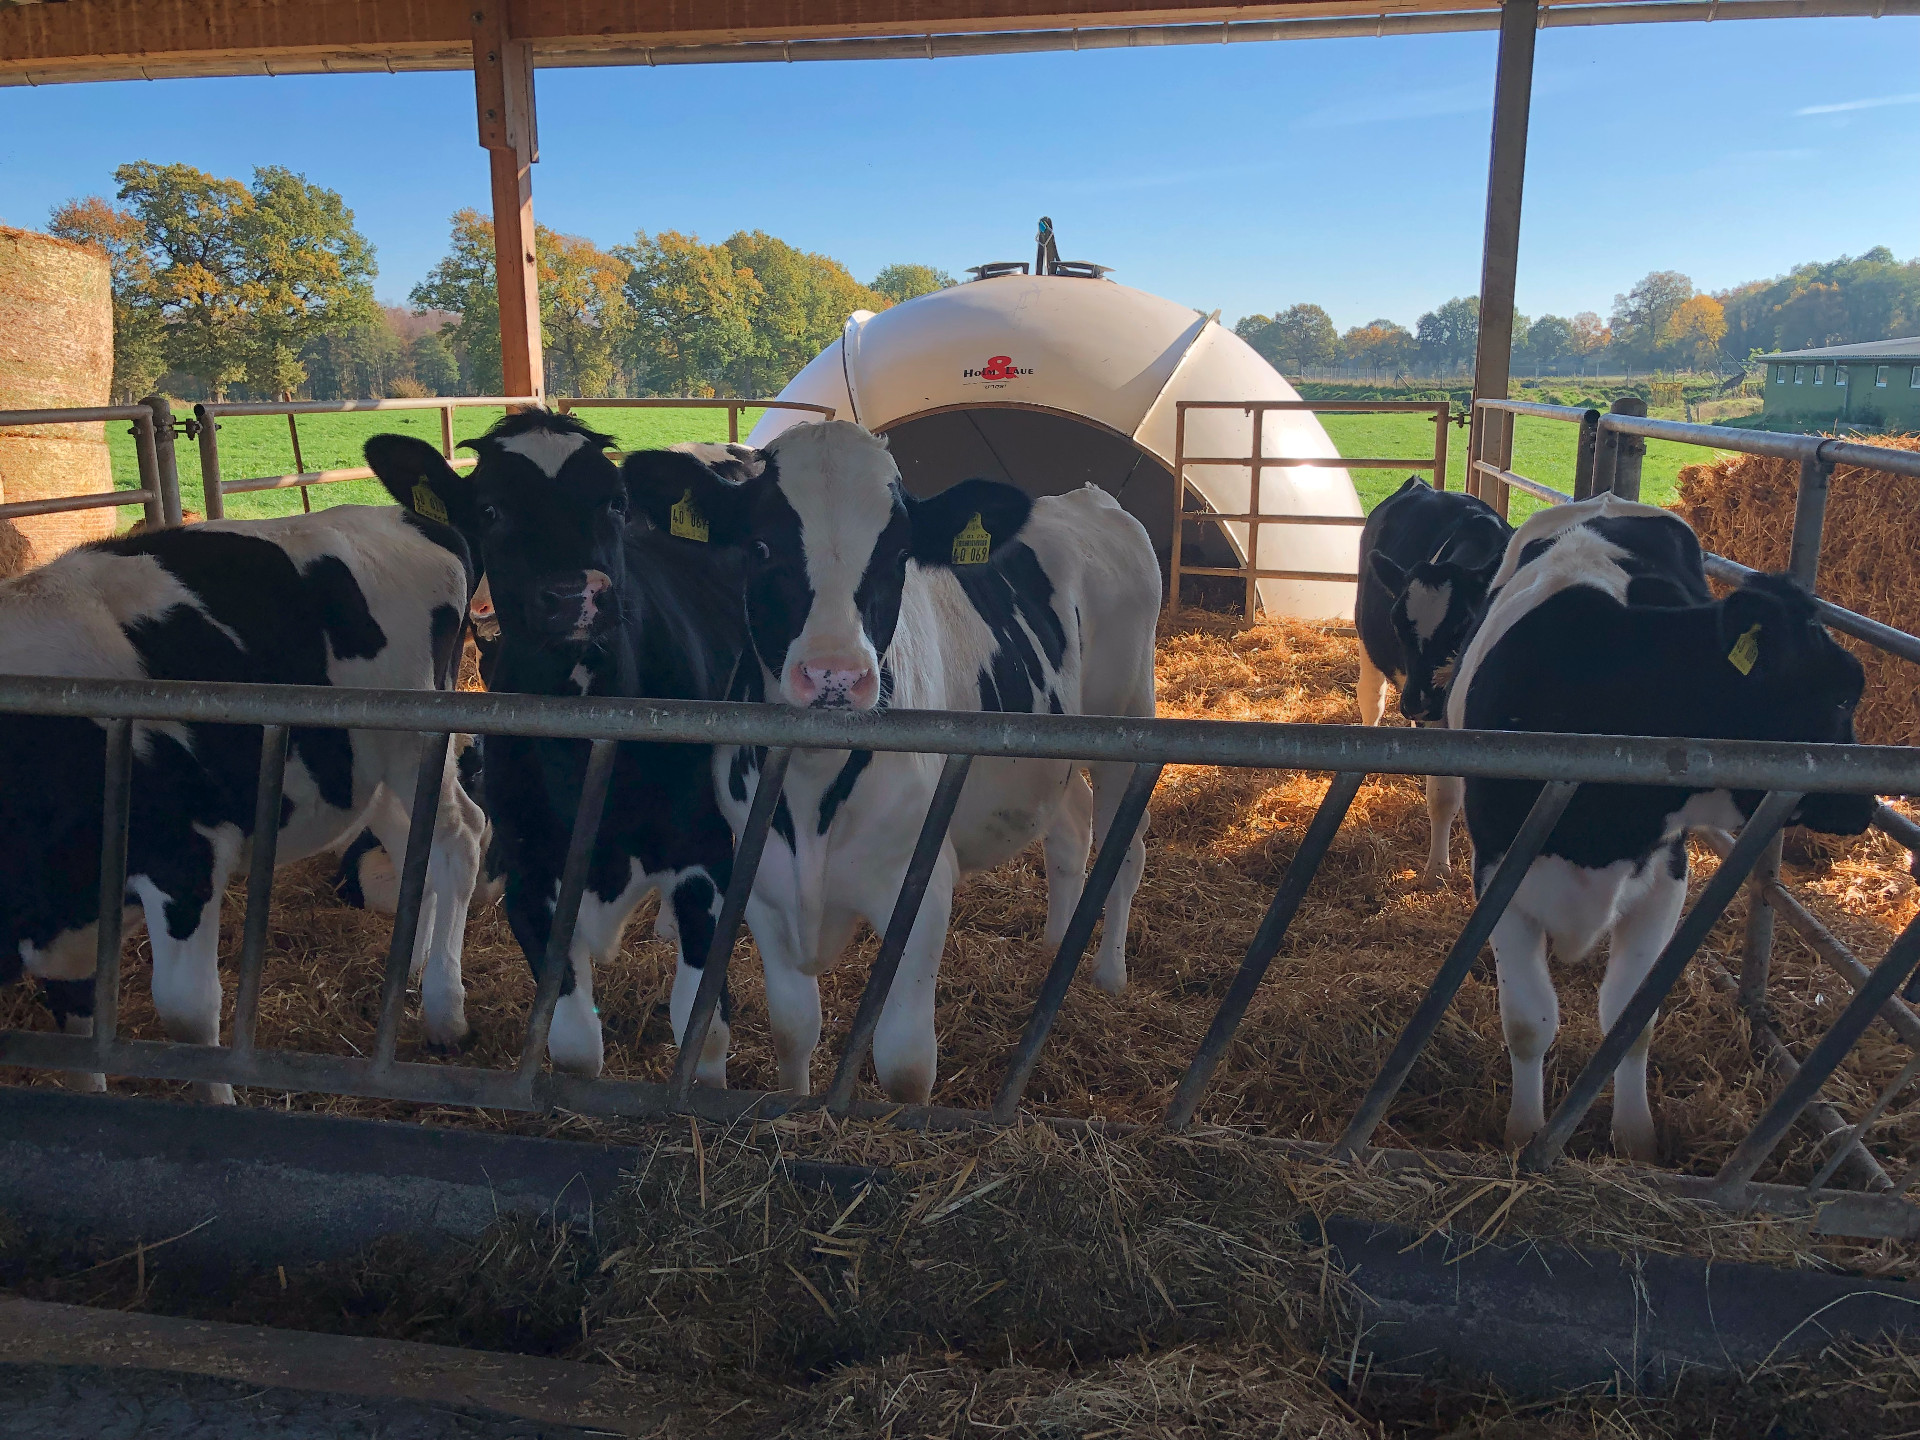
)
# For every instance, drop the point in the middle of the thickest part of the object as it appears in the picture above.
(1543, 450)
(258, 445)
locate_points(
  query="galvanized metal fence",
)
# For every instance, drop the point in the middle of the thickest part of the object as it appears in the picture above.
(205, 426)
(1610, 452)
(159, 491)
(1257, 462)
(1349, 753)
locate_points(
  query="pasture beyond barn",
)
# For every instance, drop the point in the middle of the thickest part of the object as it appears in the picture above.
(1360, 954)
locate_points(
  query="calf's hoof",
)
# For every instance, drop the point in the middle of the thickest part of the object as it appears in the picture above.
(1520, 1132)
(1111, 976)
(1636, 1143)
(82, 1083)
(460, 1045)
(210, 1094)
(1433, 879)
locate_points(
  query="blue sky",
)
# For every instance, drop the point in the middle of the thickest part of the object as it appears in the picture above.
(1350, 173)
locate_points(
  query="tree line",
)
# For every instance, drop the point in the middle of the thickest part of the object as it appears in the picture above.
(265, 291)
(1662, 322)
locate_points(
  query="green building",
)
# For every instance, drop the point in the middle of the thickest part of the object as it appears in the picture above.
(1875, 386)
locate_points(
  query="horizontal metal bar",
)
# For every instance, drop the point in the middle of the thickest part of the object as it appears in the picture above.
(1495, 754)
(1521, 482)
(1763, 442)
(320, 477)
(59, 504)
(1847, 622)
(685, 402)
(79, 415)
(1328, 407)
(1890, 822)
(1573, 413)
(1334, 575)
(1324, 462)
(1264, 519)
(342, 407)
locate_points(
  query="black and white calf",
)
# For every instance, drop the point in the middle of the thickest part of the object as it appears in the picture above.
(357, 596)
(590, 605)
(1426, 558)
(1601, 622)
(860, 596)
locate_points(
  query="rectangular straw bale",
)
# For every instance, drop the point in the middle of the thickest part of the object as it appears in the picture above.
(1742, 507)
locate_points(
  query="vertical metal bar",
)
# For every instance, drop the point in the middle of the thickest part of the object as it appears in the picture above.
(566, 906)
(1506, 177)
(1834, 1046)
(1583, 471)
(1503, 439)
(1476, 447)
(147, 456)
(293, 434)
(168, 468)
(1179, 502)
(733, 424)
(1093, 899)
(1266, 944)
(1442, 414)
(1809, 521)
(268, 792)
(115, 805)
(1544, 1149)
(1858, 1133)
(413, 883)
(1254, 512)
(446, 431)
(1528, 841)
(747, 847)
(906, 908)
(213, 500)
(1628, 451)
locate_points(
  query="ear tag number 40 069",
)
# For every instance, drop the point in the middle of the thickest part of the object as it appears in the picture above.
(428, 504)
(971, 545)
(685, 521)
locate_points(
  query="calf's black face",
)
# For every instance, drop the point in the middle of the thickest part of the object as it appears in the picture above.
(544, 511)
(1435, 605)
(827, 531)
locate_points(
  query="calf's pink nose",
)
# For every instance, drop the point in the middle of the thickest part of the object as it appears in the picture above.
(830, 678)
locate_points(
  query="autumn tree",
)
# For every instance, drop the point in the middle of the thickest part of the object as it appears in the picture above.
(462, 282)
(1643, 317)
(139, 338)
(583, 314)
(900, 283)
(692, 308)
(1447, 334)
(1380, 345)
(803, 304)
(1695, 330)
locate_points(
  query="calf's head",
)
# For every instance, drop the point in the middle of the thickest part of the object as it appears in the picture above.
(1435, 604)
(827, 532)
(1791, 680)
(543, 512)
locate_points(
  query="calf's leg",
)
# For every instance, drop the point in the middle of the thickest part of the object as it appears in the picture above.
(1068, 841)
(905, 1050)
(1640, 933)
(186, 958)
(1529, 1015)
(689, 913)
(1110, 966)
(1444, 794)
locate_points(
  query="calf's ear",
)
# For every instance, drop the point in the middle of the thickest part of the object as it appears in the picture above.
(966, 524)
(1479, 543)
(1755, 630)
(685, 498)
(1389, 572)
(420, 479)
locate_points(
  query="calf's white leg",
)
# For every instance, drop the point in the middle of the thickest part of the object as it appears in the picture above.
(1444, 796)
(1110, 966)
(793, 1012)
(1372, 691)
(1640, 933)
(905, 1049)
(694, 938)
(186, 968)
(1068, 841)
(1529, 1016)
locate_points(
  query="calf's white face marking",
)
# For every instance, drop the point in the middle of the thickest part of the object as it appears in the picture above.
(549, 449)
(1427, 607)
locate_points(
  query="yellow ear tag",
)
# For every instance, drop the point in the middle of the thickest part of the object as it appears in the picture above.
(687, 522)
(971, 545)
(426, 503)
(1746, 652)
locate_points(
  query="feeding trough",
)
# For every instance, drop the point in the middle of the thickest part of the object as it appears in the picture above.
(1058, 379)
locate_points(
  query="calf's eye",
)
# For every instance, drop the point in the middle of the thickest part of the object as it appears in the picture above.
(760, 551)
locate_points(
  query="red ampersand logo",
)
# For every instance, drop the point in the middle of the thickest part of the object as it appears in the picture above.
(999, 367)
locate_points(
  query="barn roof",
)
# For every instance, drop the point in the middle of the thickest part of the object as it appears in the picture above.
(1902, 349)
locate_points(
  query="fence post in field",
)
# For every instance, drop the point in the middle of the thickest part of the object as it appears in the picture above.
(169, 473)
(213, 501)
(1583, 466)
(1622, 454)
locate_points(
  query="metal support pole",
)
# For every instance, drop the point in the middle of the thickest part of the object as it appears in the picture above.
(503, 95)
(1846, 1148)
(1254, 512)
(413, 883)
(1888, 976)
(116, 804)
(446, 431)
(733, 424)
(747, 848)
(906, 909)
(168, 470)
(1321, 831)
(1506, 178)
(1545, 1148)
(268, 793)
(1093, 899)
(1583, 477)
(1809, 521)
(213, 499)
(147, 456)
(1617, 461)
(1442, 413)
(1532, 836)
(1179, 504)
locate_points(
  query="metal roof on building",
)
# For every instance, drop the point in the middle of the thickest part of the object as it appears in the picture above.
(1904, 349)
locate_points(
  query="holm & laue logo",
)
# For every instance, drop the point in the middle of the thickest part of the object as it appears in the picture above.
(999, 369)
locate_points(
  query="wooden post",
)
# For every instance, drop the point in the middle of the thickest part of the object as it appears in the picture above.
(1506, 172)
(503, 95)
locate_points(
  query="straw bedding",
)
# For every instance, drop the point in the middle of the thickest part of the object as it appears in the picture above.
(1359, 956)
